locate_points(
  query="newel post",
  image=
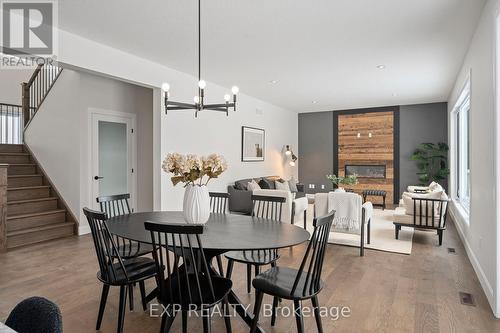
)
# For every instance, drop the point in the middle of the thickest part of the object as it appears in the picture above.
(25, 102)
(3, 207)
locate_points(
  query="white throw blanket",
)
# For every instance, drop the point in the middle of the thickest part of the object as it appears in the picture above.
(347, 207)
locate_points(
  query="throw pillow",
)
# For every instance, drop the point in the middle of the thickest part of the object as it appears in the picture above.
(408, 202)
(282, 186)
(435, 187)
(241, 185)
(292, 183)
(252, 186)
(265, 184)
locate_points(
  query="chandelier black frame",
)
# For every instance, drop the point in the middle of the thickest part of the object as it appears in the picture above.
(199, 104)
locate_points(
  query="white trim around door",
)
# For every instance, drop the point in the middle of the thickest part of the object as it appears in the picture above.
(94, 116)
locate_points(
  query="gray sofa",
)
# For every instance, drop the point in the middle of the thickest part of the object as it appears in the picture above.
(240, 199)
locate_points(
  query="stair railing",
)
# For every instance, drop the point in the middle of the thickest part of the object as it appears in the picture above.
(37, 88)
(11, 124)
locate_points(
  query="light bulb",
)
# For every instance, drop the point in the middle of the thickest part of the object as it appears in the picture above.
(165, 86)
(227, 97)
(369, 135)
(292, 163)
(202, 84)
(196, 99)
(235, 90)
(288, 153)
(359, 135)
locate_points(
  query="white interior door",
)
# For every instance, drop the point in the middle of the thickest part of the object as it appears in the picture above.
(113, 156)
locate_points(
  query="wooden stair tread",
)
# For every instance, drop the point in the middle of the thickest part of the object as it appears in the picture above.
(41, 228)
(21, 164)
(13, 154)
(46, 212)
(27, 188)
(31, 200)
(28, 175)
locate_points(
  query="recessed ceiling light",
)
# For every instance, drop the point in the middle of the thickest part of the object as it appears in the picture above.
(381, 66)
(394, 94)
(273, 81)
(314, 102)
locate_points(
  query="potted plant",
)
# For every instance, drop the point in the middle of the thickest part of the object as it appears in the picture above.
(339, 180)
(195, 173)
(432, 162)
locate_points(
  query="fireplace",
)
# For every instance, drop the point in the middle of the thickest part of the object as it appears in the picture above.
(366, 171)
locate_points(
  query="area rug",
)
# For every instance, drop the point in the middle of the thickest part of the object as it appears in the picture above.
(382, 234)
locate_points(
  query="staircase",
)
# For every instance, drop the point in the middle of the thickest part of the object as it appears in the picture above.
(35, 211)
(31, 209)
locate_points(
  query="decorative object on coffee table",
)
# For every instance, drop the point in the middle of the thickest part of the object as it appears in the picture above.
(339, 180)
(252, 144)
(195, 172)
(376, 193)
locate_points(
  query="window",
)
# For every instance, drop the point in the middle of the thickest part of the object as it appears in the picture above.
(462, 148)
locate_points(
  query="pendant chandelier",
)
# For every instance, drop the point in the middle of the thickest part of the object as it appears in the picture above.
(199, 100)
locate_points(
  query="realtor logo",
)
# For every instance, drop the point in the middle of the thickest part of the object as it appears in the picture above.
(28, 27)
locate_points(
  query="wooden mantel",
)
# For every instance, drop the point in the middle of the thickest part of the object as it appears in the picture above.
(3, 207)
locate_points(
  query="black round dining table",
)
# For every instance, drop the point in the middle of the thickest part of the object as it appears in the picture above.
(222, 233)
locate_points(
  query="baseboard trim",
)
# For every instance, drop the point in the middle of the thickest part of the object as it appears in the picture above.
(83, 230)
(485, 284)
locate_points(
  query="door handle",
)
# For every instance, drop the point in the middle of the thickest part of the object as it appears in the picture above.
(97, 177)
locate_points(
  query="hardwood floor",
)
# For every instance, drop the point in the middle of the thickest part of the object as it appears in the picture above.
(385, 292)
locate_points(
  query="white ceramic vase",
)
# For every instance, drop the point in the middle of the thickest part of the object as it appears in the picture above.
(196, 205)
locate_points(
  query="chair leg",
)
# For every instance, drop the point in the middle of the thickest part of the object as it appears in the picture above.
(397, 231)
(249, 278)
(273, 315)
(298, 316)
(362, 242)
(317, 315)
(184, 321)
(305, 219)
(440, 236)
(121, 308)
(229, 271)
(102, 306)
(131, 297)
(369, 230)
(219, 264)
(143, 295)
(227, 315)
(257, 270)
(256, 310)
(166, 321)
(207, 322)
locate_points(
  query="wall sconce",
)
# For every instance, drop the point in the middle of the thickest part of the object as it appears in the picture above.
(293, 157)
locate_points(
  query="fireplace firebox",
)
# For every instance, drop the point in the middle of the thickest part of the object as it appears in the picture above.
(366, 171)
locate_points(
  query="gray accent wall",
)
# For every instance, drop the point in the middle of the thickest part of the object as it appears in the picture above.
(315, 150)
(417, 124)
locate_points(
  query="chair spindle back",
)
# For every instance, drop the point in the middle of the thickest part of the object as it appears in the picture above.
(193, 277)
(268, 207)
(218, 202)
(105, 246)
(314, 256)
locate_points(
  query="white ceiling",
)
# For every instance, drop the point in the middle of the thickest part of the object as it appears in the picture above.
(321, 50)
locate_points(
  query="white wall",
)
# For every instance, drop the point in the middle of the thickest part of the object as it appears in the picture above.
(480, 234)
(212, 132)
(59, 135)
(10, 84)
